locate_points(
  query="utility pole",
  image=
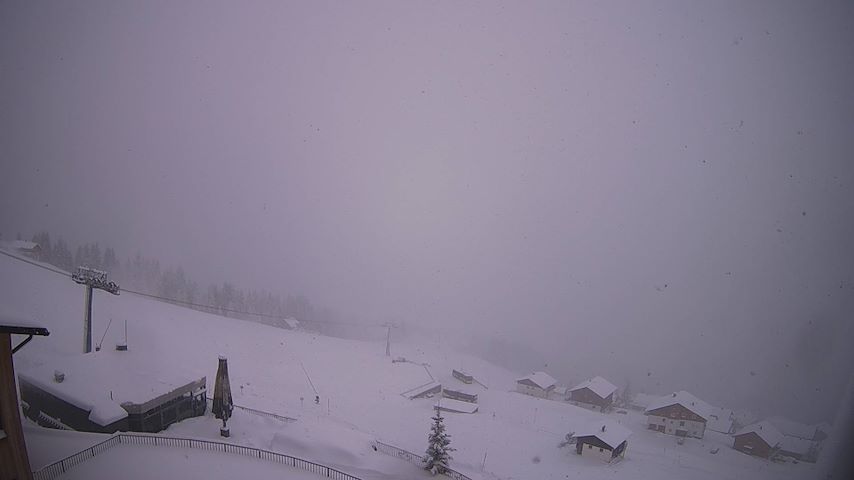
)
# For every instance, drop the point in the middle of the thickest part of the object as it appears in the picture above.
(91, 279)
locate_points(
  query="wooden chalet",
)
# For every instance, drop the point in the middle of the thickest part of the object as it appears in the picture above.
(27, 248)
(596, 393)
(603, 439)
(680, 414)
(537, 384)
(761, 439)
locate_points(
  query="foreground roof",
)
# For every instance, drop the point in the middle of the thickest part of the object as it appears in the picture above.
(90, 380)
(597, 385)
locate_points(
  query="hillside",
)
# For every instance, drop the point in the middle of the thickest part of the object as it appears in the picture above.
(359, 389)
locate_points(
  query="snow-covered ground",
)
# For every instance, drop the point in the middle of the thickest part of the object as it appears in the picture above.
(511, 436)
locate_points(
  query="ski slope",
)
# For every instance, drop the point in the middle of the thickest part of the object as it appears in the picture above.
(511, 435)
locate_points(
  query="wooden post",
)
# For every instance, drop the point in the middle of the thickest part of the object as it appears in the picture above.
(14, 462)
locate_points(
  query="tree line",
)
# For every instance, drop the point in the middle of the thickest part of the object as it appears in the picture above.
(146, 275)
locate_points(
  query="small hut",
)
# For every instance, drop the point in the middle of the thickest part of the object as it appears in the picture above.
(603, 439)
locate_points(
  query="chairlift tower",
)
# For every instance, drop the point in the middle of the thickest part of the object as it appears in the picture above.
(388, 326)
(91, 279)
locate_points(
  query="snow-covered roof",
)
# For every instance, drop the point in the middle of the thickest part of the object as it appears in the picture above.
(793, 429)
(799, 446)
(422, 390)
(644, 399)
(540, 379)
(597, 385)
(766, 431)
(613, 434)
(457, 406)
(292, 323)
(685, 399)
(23, 244)
(92, 379)
(720, 420)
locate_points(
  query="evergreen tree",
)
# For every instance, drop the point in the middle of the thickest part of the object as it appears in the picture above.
(438, 447)
(111, 262)
(62, 257)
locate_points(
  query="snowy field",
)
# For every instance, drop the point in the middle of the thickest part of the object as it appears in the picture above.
(512, 436)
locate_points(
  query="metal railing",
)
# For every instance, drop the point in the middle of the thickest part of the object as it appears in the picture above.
(58, 468)
(414, 458)
(52, 422)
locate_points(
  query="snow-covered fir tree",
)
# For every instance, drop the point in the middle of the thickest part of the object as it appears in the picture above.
(438, 447)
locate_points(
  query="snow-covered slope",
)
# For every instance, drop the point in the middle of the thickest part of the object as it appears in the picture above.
(511, 436)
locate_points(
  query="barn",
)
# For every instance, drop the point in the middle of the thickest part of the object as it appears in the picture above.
(462, 376)
(537, 384)
(603, 439)
(761, 439)
(109, 391)
(680, 414)
(596, 393)
(459, 395)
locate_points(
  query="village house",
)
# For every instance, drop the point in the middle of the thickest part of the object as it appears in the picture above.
(680, 414)
(603, 439)
(537, 384)
(596, 393)
(559, 393)
(764, 439)
(26, 248)
(761, 439)
(14, 462)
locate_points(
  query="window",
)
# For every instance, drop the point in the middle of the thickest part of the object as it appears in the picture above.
(601, 450)
(682, 423)
(589, 447)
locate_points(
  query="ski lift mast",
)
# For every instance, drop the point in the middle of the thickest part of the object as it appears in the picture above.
(91, 279)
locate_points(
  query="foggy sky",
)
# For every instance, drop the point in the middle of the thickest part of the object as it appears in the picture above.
(621, 188)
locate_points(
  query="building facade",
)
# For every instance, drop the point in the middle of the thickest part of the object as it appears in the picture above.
(676, 420)
(537, 384)
(752, 444)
